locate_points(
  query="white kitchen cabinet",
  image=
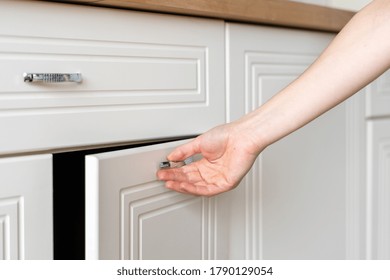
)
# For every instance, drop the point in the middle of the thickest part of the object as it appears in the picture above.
(301, 198)
(149, 76)
(378, 189)
(137, 68)
(26, 209)
(130, 215)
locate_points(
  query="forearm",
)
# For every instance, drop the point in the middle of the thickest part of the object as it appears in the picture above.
(359, 54)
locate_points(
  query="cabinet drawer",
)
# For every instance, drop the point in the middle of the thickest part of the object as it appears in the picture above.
(144, 75)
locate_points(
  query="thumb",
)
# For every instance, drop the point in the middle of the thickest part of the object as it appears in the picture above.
(184, 151)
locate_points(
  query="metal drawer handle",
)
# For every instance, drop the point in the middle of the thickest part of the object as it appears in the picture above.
(175, 164)
(53, 77)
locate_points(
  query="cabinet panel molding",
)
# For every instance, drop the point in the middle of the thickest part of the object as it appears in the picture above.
(114, 73)
(11, 227)
(149, 209)
(4, 238)
(26, 209)
(378, 189)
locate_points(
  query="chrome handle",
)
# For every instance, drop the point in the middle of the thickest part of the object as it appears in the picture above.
(175, 164)
(53, 77)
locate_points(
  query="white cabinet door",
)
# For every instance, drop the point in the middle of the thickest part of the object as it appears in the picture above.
(131, 215)
(137, 68)
(296, 201)
(26, 226)
(378, 148)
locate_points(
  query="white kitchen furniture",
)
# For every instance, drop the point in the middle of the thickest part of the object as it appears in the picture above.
(298, 193)
(138, 69)
(149, 77)
(130, 215)
(144, 77)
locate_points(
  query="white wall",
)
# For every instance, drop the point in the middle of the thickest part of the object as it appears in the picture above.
(353, 5)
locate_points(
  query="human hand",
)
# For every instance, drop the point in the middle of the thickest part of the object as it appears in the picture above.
(227, 154)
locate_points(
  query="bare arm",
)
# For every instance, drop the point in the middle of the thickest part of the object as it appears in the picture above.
(358, 55)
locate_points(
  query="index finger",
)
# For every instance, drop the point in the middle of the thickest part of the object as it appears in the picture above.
(185, 151)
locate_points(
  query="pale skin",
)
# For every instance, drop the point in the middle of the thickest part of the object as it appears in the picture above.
(358, 55)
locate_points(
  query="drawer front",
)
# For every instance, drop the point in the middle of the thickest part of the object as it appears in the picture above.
(144, 75)
(378, 97)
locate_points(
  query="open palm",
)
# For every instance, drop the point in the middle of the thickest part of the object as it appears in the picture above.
(227, 157)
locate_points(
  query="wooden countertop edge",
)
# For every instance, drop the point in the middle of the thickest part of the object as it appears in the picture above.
(270, 12)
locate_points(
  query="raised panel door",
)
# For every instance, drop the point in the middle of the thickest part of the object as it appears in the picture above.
(26, 208)
(296, 202)
(131, 215)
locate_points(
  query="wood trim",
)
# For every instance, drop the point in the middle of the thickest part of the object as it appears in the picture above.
(270, 12)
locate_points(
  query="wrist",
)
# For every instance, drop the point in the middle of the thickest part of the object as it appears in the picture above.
(252, 134)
